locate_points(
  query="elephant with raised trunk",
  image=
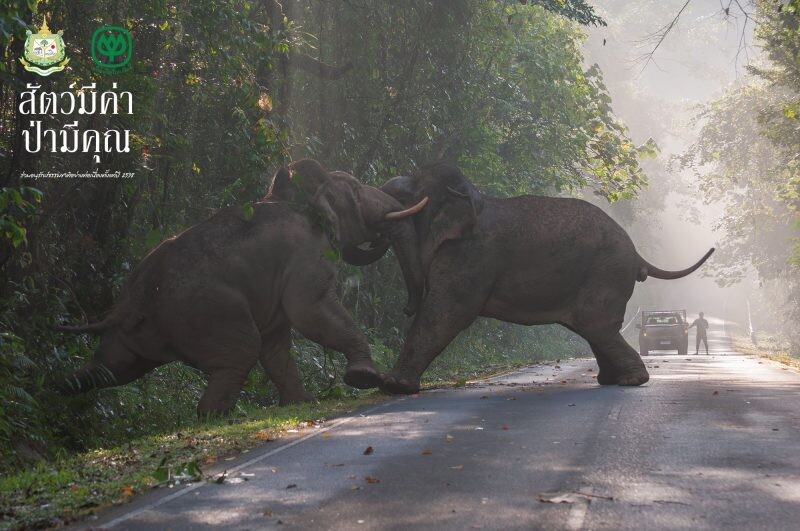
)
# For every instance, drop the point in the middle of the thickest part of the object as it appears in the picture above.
(528, 260)
(224, 294)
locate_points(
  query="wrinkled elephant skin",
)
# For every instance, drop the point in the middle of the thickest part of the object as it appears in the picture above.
(527, 260)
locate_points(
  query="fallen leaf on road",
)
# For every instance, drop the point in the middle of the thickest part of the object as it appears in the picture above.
(268, 514)
(368, 451)
(291, 486)
(265, 436)
(558, 366)
(504, 427)
(570, 405)
(370, 479)
(448, 438)
(589, 370)
(355, 487)
(427, 452)
(570, 497)
(484, 397)
(511, 398)
(326, 435)
(457, 467)
(715, 393)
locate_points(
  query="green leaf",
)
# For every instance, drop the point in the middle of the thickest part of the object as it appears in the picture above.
(248, 211)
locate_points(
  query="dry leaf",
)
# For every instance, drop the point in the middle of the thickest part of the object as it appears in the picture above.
(327, 435)
(570, 497)
(715, 393)
(368, 451)
(427, 452)
(268, 514)
(370, 479)
(127, 491)
(504, 428)
(457, 467)
(448, 438)
(265, 436)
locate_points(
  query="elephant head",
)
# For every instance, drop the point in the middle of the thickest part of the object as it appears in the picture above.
(358, 214)
(451, 213)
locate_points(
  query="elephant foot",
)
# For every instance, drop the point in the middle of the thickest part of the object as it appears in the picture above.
(363, 375)
(398, 385)
(638, 377)
(606, 377)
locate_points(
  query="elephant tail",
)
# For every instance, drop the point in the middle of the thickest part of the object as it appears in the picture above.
(91, 328)
(647, 269)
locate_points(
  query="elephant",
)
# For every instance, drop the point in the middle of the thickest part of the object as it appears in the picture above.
(225, 293)
(528, 260)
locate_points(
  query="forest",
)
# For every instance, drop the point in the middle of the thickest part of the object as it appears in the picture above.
(227, 91)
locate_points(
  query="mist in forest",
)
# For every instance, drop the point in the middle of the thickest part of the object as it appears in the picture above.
(674, 222)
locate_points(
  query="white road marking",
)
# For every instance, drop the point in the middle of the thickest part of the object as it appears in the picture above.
(194, 486)
(578, 510)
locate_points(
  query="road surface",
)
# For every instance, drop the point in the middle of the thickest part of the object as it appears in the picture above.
(711, 442)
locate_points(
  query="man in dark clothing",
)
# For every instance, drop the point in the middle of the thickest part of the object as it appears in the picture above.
(702, 326)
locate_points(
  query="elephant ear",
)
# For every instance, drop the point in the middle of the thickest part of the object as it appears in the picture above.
(456, 219)
(298, 182)
(280, 189)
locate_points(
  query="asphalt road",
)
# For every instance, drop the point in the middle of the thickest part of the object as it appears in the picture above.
(711, 442)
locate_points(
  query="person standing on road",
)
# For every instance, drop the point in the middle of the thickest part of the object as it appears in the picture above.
(702, 326)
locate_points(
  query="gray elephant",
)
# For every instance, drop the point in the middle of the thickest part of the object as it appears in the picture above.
(224, 294)
(527, 260)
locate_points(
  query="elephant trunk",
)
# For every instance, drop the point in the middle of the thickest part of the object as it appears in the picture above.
(396, 231)
(404, 242)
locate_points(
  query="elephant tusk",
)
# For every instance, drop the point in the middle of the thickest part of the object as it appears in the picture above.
(400, 214)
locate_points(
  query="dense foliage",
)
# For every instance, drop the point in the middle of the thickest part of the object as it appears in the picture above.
(748, 159)
(225, 91)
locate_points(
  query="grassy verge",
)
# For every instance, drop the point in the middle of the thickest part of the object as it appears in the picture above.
(768, 347)
(54, 493)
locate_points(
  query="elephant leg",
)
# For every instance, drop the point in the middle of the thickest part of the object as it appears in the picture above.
(113, 364)
(607, 375)
(222, 391)
(276, 359)
(218, 336)
(619, 363)
(446, 311)
(325, 321)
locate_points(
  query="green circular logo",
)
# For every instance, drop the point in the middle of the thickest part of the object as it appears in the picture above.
(112, 49)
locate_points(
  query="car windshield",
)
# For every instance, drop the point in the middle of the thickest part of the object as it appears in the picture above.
(666, 319)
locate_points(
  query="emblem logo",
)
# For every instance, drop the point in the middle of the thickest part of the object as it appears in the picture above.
(112, 48)
(44, 51)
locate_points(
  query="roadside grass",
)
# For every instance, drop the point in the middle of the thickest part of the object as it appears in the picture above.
(770, 347)
(56, 493)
